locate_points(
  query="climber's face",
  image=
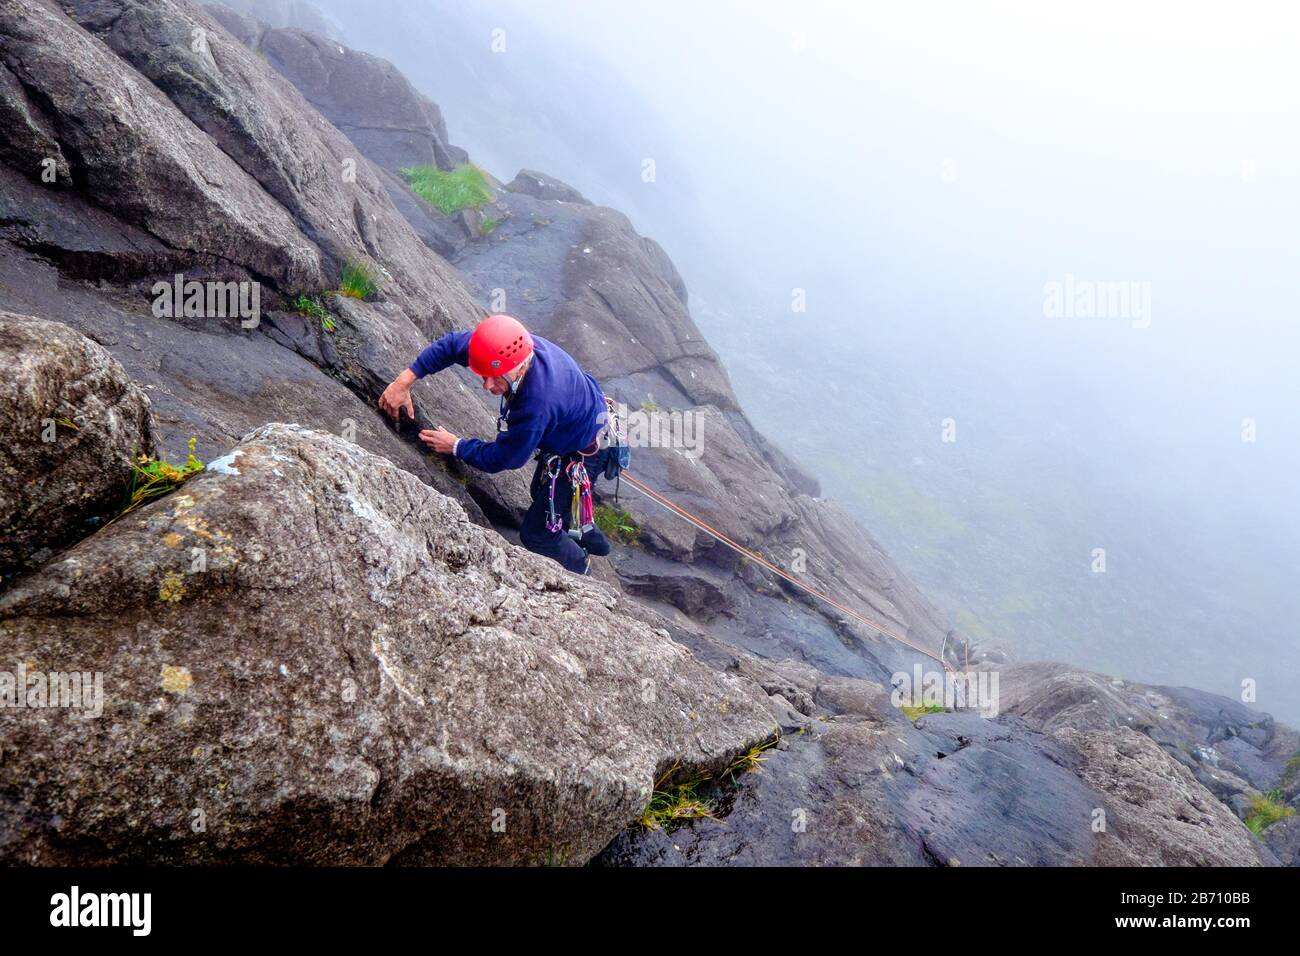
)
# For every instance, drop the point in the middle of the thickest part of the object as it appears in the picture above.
(500, 384)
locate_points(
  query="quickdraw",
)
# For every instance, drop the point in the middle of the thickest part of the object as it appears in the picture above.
(553, 520)
(581, 513)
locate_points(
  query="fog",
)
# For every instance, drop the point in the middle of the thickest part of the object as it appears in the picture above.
(874, 206)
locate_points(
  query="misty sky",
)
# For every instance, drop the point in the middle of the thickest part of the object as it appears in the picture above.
(922, 170)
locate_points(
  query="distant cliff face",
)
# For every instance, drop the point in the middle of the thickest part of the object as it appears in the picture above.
(147, 139)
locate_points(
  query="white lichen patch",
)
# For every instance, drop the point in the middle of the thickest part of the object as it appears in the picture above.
(225, 465)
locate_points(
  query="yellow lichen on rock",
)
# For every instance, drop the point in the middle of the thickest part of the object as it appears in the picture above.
(176, 680)
(172, 588)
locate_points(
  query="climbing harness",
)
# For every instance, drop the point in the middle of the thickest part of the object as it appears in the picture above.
(781, 572)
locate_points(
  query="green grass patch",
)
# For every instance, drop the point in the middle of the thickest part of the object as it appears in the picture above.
(751, 760)
(649, 407)
(465, 187)
(616, 524)
(678, 799)
(1265, 810)
(153, 477)
(913, 713)
(672, 804)
(312, 307)
(488, 224)
(358, 281)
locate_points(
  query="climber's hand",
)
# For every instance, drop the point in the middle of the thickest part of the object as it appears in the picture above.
(439, 439)
(398, 396)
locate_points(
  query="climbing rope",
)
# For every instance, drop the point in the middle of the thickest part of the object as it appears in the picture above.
(779, 571)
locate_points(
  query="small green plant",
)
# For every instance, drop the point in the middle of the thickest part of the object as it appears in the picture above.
(465, 187)
(358, 280)
(649, 407)
(1265, 810)
(153, 477)
(488, 225)
(540, 220)
(616, 524)
(1292, 768)
(915, 712)
(312, 307)
(752, 759)
(673, 804)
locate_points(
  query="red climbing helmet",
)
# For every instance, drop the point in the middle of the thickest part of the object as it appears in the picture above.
(499, 343)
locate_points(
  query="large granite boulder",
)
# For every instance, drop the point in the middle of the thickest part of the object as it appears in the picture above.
(308, 656)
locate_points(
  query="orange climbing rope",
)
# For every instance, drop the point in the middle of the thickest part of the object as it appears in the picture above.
(780, 572)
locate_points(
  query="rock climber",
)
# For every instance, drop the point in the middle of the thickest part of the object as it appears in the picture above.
(549, 406)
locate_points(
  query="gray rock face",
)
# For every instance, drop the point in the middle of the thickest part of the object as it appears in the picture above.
(256, 118)
(863, 785)
(364, 96)
(1166, 818)
(1283, 839)
(71, 424)
(297, 14)
(356, 674)
(120, 141)
(540, 186)
(1229, 747)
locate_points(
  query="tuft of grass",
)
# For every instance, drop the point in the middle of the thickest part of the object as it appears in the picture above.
(485, 229)
(358, 280)
(312, 307)
(1265, 810)
(673, 804)
(616, 524)
(752, 759)
(649, 407)
(914, 712)
(154, 477)
(465, 187)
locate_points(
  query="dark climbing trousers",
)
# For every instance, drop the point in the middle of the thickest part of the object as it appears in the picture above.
(559, 545)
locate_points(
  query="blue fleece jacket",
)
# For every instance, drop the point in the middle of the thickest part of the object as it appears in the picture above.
(558, 407)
